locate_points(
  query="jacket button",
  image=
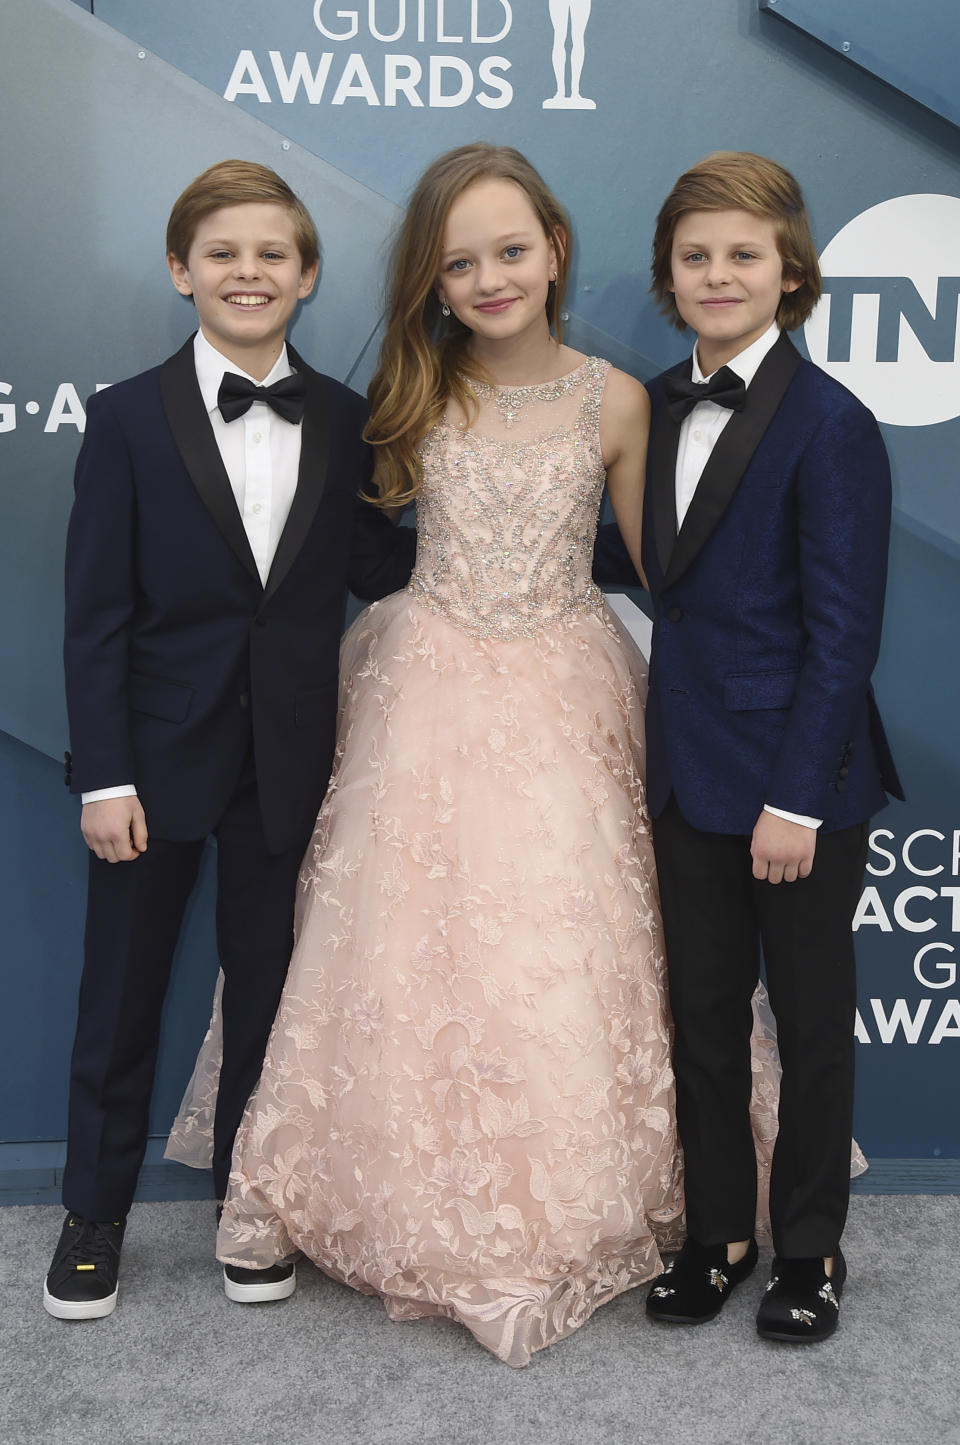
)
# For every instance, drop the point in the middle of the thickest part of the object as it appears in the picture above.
(244, 699)
(259, 622)
(674, 614)
(840, 784)
(842, 772)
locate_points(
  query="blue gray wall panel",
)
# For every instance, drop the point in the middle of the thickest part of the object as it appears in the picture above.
(912, 47)
(107, 116)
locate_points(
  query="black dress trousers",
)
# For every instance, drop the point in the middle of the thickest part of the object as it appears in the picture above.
(134, 914)
(718, 922)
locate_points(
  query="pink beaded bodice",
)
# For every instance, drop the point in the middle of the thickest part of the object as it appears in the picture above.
(507, 514)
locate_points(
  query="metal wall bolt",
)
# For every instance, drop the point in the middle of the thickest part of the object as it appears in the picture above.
(845, 46)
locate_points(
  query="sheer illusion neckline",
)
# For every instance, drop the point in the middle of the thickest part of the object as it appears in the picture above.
(538, 391)
(512, 403)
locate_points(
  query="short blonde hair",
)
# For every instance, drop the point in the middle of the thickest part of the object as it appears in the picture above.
(742, 181)
(235, 183)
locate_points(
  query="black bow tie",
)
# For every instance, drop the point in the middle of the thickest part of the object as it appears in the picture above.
(725, 388)
(237, 395)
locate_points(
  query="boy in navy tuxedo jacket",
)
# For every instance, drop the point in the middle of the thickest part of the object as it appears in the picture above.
(766, 522)
(216, 528)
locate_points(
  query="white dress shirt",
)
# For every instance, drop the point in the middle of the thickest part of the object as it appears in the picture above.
(260, 450)
(261, 454)
(699, 433)
(701, 428)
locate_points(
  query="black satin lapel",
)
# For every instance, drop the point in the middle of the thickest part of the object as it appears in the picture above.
(311, 478)
(664, 442)
(197, 445)
(732, 454)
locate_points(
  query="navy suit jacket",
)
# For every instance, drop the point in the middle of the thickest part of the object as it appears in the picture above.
(768, 607)
(173, 646)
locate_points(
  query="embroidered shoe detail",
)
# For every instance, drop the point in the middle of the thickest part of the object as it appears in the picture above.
(804, 1317)
(718, 1279)
(828, 1296)
(659, 1292)
(774, 1279)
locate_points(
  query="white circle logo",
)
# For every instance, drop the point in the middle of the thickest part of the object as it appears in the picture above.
(887, 323)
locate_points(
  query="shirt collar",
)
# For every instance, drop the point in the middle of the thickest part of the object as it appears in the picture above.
(747, 363)
(211, 365)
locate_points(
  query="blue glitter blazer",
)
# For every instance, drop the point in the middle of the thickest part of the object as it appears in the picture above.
(768, 606)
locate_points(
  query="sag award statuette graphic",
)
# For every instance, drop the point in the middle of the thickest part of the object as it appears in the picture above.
(569, 17)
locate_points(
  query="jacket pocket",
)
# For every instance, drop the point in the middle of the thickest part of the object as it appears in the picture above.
(159, 698)
(315, 706)
(745, 691)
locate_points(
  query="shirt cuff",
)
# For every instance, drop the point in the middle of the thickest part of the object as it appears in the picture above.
(793, 817)
(99, 795)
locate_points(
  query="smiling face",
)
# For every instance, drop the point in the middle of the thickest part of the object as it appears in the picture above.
(245, 274)
(727, 280)
(496, 263)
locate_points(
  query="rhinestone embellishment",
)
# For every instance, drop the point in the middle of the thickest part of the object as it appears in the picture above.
(511, 400)
(506, 524)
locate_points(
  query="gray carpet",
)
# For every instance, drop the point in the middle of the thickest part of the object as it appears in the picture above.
(177, 1364)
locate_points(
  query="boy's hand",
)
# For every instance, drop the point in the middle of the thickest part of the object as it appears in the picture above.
(115, 829)
(782, 851)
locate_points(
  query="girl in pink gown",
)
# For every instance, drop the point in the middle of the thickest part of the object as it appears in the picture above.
(466, 1105)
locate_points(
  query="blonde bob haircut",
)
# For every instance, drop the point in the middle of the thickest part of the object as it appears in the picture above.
(741, 181)
(235, 183)
(424, 359)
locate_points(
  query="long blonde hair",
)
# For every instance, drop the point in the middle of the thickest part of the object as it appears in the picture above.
(424, 357)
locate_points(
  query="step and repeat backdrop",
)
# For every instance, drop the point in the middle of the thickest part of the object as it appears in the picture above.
(111, 106)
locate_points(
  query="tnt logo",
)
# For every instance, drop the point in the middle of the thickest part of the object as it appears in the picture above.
(887, 324)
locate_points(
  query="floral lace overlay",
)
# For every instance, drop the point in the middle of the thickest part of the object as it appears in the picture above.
(467, 1100)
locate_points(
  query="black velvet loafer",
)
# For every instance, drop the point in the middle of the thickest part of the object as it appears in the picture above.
(696, 1286)
(802, 1302)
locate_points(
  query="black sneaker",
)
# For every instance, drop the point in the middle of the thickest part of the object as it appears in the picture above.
(82, 1282)
(252, 1286)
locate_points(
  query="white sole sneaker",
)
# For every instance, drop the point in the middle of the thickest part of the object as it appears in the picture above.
(252, 1294)
(66, 1309)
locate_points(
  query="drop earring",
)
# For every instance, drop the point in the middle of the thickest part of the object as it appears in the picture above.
(444, 308)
